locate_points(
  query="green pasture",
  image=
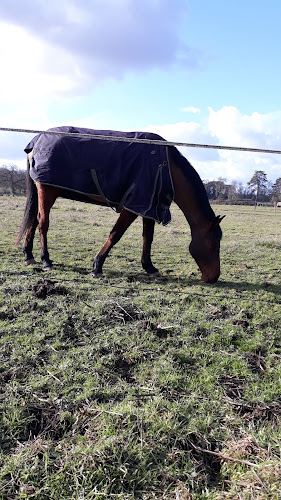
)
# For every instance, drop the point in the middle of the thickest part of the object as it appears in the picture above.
(129, 387)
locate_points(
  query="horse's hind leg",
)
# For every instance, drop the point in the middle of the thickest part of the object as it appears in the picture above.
(148, 233)
(47, 196)
(124, 221)
(28, 243)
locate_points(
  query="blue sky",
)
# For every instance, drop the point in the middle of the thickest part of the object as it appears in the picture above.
(190, 70)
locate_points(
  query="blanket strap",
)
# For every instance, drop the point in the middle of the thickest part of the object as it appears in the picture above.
(124, 197)
(101, 193)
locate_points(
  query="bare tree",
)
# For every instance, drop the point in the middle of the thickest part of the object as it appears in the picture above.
(12, 180)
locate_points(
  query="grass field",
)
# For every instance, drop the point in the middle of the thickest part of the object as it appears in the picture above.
(131, 387)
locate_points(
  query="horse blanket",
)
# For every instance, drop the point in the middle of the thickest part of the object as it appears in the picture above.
(135, 176)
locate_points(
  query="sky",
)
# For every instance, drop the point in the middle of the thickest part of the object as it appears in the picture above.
(195, 71)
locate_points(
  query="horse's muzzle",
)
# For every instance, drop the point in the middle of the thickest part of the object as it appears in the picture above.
(210, 278)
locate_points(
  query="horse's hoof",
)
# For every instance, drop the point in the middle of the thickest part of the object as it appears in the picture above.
(157, 274)
(96, 275)
(30, 262)
(47, 267)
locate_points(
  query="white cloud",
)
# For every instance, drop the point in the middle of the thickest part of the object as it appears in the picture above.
(69, 46)
(229, 127)
(256, 130)
(34, 70)
(190, 109)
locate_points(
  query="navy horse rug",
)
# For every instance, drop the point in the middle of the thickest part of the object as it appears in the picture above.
(130, 175)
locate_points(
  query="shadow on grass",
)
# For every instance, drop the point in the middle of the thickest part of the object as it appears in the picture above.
(245, 286)
(141, 278)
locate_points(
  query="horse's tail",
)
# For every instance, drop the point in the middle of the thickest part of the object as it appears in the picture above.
(31, 206)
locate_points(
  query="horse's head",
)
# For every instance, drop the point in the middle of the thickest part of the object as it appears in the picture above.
(205, 249)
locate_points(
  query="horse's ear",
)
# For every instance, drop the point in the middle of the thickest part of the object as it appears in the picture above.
(218, 220)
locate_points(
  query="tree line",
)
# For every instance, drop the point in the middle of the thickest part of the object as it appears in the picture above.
(258, 190)
(12, 180)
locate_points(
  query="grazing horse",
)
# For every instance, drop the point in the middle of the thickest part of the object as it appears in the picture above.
(67, 162)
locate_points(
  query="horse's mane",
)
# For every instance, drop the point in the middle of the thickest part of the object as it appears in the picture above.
(193, 177)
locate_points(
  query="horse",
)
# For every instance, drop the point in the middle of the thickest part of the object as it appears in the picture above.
(185, 188)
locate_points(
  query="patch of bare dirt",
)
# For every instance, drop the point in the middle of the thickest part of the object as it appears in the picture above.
(46, 287)
(256, 360)
(233, 386)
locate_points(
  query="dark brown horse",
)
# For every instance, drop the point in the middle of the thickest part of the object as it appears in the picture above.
(189, 195)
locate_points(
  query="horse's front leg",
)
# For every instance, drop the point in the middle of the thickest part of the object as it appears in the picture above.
(46, 198)
(124, 221)
(148, 233)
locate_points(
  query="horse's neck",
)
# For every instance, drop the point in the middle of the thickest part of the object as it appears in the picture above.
(198, 214)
